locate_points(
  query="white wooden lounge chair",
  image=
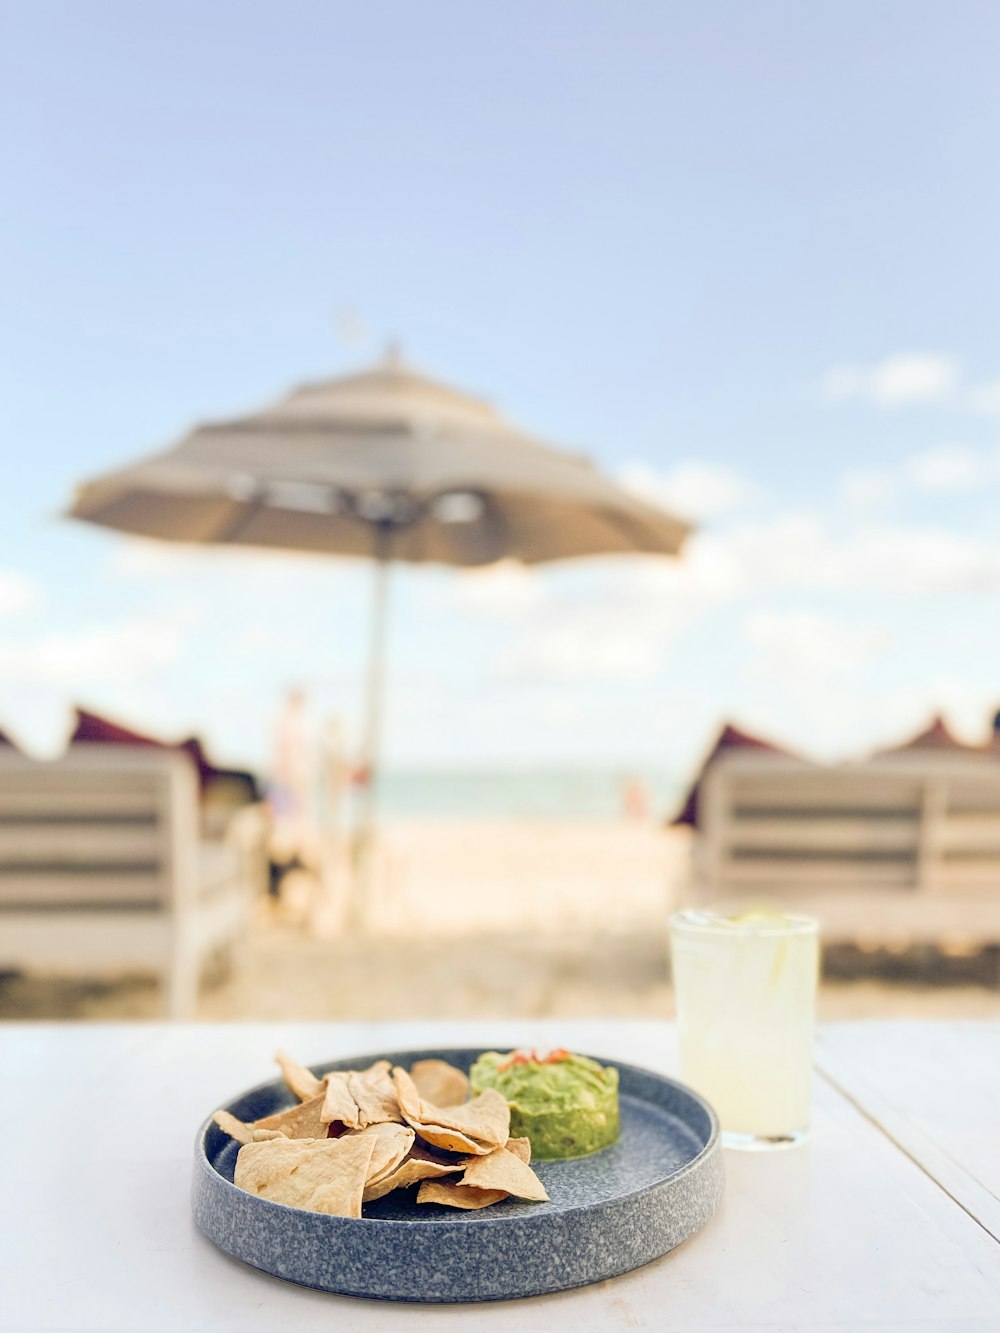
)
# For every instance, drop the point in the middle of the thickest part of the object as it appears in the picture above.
(102, 868)
(881, 850)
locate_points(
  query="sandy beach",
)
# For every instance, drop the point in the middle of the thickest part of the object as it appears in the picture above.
(488, 919)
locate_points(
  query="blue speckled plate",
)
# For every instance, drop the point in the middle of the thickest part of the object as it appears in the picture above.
(609, 1213)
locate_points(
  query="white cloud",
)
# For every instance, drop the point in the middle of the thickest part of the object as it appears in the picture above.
(867, 488)
(103, 654)
(591, 644)
(786, 551)
(921, 561)
(620, 623)
(950, 467)
(18, 592)
(844, 381)
(803, 550)
(912, 378)
(796, 644)
(985, 398)
(943, 470)
(899, 379)
(138, 558)
(893, 558)
(691, 489)
(502, 590)
(623, 624)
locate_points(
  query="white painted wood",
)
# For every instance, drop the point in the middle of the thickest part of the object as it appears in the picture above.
(829, 834)
(799, 873)
(970, 874)
(934, 1088)
(845, 1234)
(78, 943)
(769, 782)
(916, 843)
(966, 832)
(71, 887)
(96, 799)
(930, 842)
(62, 841)
(101, 867)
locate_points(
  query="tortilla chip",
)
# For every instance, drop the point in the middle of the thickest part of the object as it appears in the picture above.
(392, 1143)
(407, 1174)
(263, 1135)
(374, 1094)
(304, 1121)
(339, 1105)
(323, 1176)
(410, 1104)
(458, 1196)
(439, 1083)
(302, 1082)
(236, 1129)
(452, 1141)
(478, 1126)
(503, 1170)
(520, 1148)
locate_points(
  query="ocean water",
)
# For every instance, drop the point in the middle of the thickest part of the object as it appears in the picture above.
(530, 794)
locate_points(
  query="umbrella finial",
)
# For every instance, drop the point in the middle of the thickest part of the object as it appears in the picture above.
(392, 358)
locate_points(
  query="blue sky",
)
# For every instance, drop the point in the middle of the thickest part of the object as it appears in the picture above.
(744, 255)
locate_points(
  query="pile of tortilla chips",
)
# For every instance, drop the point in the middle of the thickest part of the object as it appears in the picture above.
(355, 1135)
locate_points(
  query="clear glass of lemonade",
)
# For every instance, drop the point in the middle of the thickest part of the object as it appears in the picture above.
(745, 987)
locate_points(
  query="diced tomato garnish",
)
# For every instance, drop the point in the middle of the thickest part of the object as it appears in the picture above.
(524, 1057)
(515, 1058)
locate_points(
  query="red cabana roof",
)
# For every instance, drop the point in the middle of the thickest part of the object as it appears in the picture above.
(936, 736)
(91, 729)
(729, 738)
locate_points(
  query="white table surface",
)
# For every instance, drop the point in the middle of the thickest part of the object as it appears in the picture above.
(934, 1089)
(850, 1232)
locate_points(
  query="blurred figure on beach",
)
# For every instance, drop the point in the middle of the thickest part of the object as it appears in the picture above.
(334, 779)
(635, 800)
(307, 798)
(291, 790)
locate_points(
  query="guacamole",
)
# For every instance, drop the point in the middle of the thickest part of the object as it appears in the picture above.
(565, 1104)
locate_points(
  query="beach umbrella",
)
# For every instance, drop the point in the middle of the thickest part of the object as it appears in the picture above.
(387, 464)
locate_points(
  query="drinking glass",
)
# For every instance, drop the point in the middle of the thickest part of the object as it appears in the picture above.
(745, 988)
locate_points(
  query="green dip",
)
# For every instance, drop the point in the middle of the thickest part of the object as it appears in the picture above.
(566, 1107)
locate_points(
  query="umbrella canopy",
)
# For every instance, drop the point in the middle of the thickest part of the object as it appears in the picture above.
(385, 462)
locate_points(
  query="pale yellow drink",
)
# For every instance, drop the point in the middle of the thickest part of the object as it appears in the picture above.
(745, 987)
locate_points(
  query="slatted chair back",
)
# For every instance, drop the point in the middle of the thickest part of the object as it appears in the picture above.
(105, 828)
(910, 846)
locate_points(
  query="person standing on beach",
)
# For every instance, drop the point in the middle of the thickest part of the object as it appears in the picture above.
(291, 791)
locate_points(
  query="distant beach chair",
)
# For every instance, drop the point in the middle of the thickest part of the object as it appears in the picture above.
(899, 847)
(102, 868)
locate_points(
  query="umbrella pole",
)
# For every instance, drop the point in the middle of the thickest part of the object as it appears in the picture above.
(364, 834)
